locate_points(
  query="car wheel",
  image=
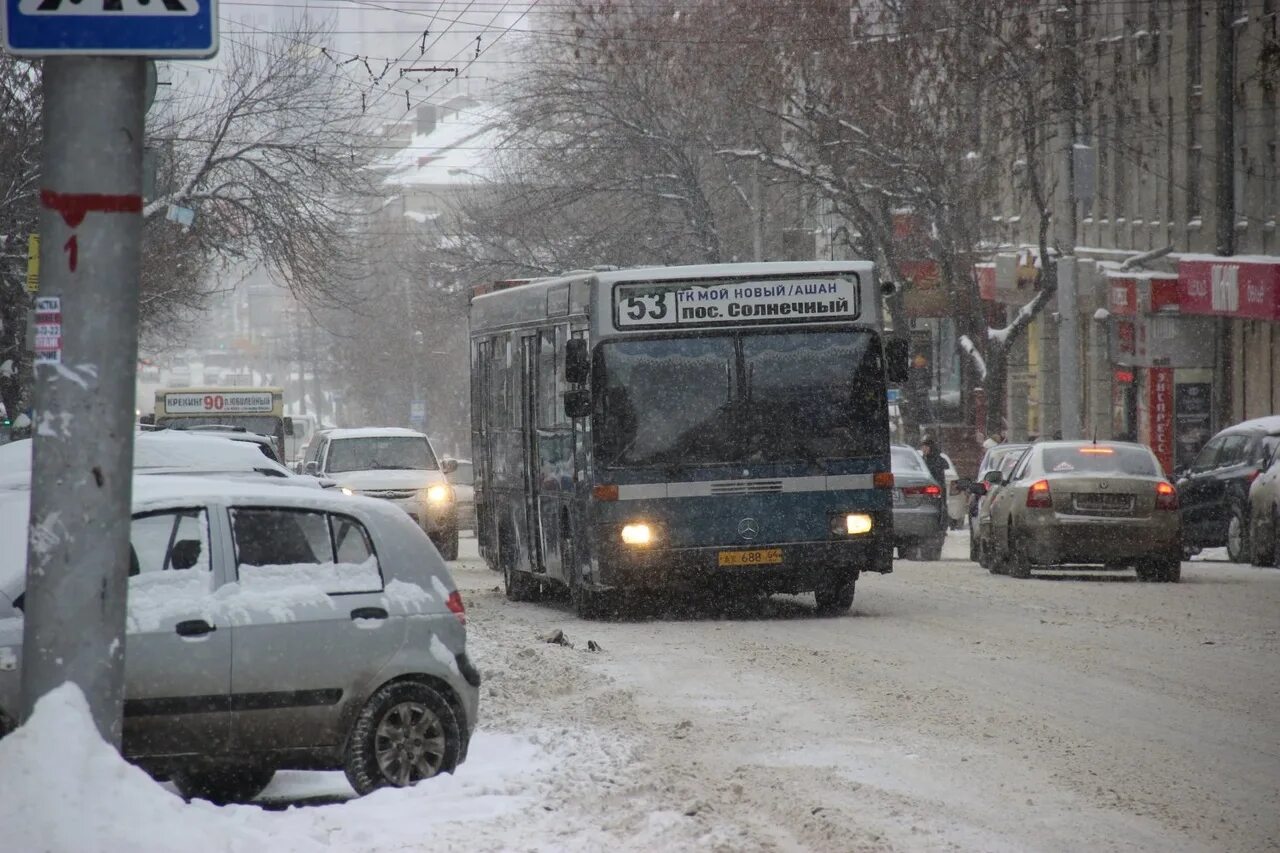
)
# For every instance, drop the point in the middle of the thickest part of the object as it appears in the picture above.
(1275, 537)
(836, 596)
(932, 549)
(1237, 536)
(405, 733)
(1018, 564)
(448, 545)
(520, 586)
(222, 784)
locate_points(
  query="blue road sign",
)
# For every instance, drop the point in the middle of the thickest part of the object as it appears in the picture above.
(111, 27)
(894, 395)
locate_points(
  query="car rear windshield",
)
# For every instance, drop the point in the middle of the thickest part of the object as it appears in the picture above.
(905, 460)
(1100, 459)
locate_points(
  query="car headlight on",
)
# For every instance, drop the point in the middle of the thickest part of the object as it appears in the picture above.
(439, 494)
(637, 534)
(851, 524)
(347, 492)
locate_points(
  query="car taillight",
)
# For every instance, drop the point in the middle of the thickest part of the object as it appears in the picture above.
(456, 607)
(929, 491)
(1038, 495)
(1252, 475)
(1166, 496)
(882, 480)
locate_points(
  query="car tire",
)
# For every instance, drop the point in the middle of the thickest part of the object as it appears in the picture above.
(405, 733)
(1017, 564)
(1238, 550)
(448, 545)
(222, 784)
(835, 596)
(1263, 550)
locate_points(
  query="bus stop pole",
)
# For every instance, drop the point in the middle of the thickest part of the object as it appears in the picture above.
(85, 363)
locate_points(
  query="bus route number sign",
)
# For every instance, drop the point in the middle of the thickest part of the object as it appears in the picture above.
(687, 304)
(218, 403)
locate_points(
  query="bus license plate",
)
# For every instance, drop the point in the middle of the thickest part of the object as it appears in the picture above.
(758, 557)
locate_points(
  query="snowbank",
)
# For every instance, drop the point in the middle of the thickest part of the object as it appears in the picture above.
(63, 789)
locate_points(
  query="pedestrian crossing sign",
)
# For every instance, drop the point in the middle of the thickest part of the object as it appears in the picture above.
(160, 28)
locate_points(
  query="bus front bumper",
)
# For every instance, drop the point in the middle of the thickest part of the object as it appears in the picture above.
(777, 567)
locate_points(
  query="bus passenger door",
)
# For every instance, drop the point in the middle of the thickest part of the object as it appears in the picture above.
(554, 463)
(529, 447)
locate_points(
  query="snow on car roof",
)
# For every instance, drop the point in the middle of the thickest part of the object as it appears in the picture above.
(155, 492)
(373, 432)
(168, 449)
(1270, 424)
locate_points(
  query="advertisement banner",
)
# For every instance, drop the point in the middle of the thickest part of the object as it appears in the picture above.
(1160, 409)
(1230, 289)
(1192, 418)
(227, 403)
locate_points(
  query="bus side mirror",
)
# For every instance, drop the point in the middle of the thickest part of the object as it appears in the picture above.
(577, 404)
(288, 426)
(577, 362)
(896, 353)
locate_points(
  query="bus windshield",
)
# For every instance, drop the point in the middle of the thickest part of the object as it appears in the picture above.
(740, 398)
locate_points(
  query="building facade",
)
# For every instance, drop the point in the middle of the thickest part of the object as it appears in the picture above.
(1167, 141)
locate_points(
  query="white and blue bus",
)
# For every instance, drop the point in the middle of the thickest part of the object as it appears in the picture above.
(719, 426)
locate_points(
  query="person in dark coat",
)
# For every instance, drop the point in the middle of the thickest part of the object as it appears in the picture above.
(933, 459)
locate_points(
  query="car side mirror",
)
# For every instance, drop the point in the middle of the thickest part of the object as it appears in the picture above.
(20, 602)
(148, 420)
(577, 361)
(897, 359)
(577, 404)
(995, 478)
(288, 426)
(313, 468)
(448, 466)
(185, 554)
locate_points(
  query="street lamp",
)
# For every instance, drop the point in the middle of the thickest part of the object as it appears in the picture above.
(416, 401)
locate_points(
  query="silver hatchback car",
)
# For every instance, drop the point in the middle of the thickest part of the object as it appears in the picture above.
(273, 628)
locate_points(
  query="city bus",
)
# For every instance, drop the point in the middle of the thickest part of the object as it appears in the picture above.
(256, 410)
(722, 427)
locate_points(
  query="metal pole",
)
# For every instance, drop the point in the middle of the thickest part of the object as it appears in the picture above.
(1225, 130)
(1070, 385)
(90, 228)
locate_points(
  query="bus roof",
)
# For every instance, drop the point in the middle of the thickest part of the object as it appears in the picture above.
(218, 389)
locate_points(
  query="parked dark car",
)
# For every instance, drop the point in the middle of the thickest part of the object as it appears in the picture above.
(1214, 491)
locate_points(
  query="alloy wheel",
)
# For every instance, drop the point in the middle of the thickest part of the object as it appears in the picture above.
(409, 744)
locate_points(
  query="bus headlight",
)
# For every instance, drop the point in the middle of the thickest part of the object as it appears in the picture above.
(439, 494)
(637, 534)
(857, 523)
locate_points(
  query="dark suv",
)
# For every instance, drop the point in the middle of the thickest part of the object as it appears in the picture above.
(1214, 491)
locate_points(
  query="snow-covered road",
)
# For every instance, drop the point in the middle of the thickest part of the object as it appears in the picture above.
(952, 709)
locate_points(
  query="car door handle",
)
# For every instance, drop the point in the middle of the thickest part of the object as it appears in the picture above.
(369, 613)
(194, 628)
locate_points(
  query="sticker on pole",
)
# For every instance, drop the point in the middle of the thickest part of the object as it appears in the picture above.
(106, 27)
(48, 344)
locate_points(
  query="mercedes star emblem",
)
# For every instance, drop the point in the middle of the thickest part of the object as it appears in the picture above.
(748, 528)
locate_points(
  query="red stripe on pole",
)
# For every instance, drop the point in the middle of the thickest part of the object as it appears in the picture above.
(74, 206)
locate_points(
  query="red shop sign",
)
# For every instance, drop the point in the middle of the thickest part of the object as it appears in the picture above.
(986, 281)
(1122, 298)
(1230, 288)
(1160, 402)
